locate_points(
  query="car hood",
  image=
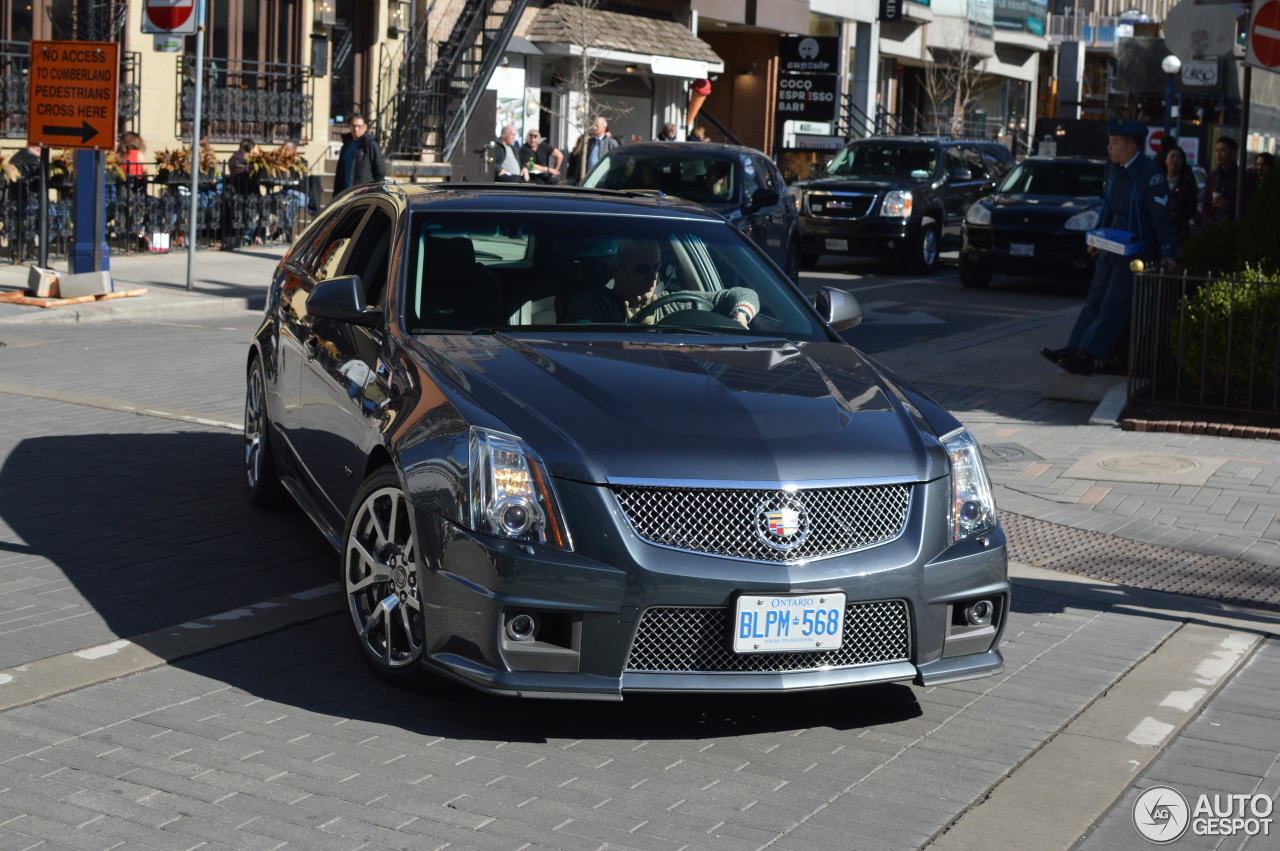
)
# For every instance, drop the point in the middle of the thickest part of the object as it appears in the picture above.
(849, 184)
(643, 407)
(1048, 206)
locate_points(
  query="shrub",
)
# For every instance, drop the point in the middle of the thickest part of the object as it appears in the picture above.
(1226, 339)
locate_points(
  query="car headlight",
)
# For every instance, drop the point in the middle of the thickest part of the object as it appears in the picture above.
(979, 214)
(973, 510)
(798, 197)
(897, 204)
(511, 494)
(1086, 220)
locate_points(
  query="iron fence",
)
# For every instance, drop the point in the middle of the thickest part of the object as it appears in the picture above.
(1206, 342)
(152, 212)
(15, 60)
(264, 101)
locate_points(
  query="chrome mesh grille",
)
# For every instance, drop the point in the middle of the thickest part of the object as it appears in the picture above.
(673, 639)
(731, 522)
(839, 205)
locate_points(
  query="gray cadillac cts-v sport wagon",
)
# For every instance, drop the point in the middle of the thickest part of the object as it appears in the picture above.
(583, 443)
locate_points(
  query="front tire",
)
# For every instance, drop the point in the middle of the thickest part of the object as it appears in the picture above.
(974, 274)
(925, 249)
(380, 576)
(265, 489)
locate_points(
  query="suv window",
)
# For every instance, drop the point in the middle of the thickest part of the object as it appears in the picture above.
(751, 177)
(768, 176)
(708, 180)
(875, 159)
(973, 162)
(953, 160)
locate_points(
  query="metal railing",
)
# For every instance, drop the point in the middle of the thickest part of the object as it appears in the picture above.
(718, 128)
(1205, 342)
(265, 101)
(234, 211)
(1091, 28)
(15, 59)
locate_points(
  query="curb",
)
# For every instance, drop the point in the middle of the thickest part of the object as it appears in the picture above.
(1201, 427)
(168, 306)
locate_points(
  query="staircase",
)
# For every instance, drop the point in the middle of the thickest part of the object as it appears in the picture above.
(427, 109)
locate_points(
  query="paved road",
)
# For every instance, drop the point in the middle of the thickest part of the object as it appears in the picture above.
(122, 515)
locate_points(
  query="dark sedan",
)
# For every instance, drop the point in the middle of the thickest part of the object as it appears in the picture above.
(1034, 223)
(741, 184)
(584, 443)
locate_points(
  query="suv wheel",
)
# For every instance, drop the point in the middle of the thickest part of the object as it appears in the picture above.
(926, 247)
(974, 274)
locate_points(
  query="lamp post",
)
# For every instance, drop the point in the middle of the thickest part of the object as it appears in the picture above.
(1171, 65)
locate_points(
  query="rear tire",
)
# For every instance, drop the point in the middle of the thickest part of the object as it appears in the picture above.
(974, 274)
(265, 489)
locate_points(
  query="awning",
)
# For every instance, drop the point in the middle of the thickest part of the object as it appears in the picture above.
(666, 46)
(523, 46)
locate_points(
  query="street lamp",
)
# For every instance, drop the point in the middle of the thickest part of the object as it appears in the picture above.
(1170, 65)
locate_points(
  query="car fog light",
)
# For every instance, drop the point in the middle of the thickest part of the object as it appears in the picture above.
(979, 613)
(521, 626)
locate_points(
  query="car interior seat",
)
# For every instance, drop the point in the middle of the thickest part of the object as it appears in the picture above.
(459, 292)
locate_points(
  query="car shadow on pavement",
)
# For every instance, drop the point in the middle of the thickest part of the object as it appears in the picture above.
(1039, 596)
(154, 530)
(150, 530)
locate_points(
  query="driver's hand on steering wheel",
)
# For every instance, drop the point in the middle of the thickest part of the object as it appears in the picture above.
(641, 301)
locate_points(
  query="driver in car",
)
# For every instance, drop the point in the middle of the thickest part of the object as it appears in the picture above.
(635, 279)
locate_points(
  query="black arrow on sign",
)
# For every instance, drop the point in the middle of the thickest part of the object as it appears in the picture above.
(85, 131)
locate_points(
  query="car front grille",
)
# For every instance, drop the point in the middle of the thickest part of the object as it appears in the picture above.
(677, 639)
(840, 205)
(736, 522)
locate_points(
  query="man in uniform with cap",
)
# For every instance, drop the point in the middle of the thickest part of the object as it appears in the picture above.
(1137, 203)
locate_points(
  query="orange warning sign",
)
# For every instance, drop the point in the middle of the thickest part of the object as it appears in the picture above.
(74, 87)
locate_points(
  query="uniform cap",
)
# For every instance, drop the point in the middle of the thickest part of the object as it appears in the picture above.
(1127, 127)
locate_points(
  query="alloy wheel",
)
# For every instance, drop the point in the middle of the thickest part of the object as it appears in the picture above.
(254, 427)
(929, 248)
(380, 570)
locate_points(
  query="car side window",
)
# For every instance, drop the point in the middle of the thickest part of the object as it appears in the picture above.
(328, 258)
(996, 167)
(953, 160)
(769, 178)
(973, 162)
(369, 258)
(750, 178)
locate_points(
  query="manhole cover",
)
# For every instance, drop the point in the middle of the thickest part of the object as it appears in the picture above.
(1008, 453)
(1143, 465)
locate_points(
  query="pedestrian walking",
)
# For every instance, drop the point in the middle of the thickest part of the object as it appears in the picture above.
(507, 168)
(591, 147)
(541, 159)
(1136, 205)
(1220, 188)
(360, 160)
(1183, 206)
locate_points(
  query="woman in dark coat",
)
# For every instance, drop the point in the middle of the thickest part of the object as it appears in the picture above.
(1182, 192)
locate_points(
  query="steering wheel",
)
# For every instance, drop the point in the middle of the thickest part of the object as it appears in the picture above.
(696, 299)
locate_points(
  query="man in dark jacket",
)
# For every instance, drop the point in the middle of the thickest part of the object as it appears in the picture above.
(1220, 187)
(1137, 205)
(590, 149)
(360, 160)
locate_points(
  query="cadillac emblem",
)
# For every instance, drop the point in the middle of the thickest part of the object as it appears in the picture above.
(782, 524)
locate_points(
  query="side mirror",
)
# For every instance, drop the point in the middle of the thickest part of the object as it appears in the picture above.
(343, 299)
(961, 174)
(765, 198)
(839, 307)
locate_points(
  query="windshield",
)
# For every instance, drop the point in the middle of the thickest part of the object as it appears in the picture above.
(498, 271)
(881, 160)
(1063, 179)
(698, 179)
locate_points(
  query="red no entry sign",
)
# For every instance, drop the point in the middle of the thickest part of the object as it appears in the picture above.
(177, 17)
(1264, 37)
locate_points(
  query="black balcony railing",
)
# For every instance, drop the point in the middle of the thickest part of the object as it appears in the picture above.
(152, 212)
(1205, 342)
(264, 101)
(15, 59)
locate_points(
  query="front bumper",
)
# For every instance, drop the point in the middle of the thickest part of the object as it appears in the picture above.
(870, 236)
(1055, 253)
(598, 595)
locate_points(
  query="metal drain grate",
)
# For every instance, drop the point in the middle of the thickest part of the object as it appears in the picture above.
(1139, 564)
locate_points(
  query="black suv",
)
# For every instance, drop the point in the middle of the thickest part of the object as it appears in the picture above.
(900, 196)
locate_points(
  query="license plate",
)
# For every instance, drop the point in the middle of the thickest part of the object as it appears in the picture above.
(1022, 249)
(775, 624)
(837, 245)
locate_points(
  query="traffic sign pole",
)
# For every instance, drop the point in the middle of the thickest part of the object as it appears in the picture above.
(1246, 92)
(44, 207)
(195, 146)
